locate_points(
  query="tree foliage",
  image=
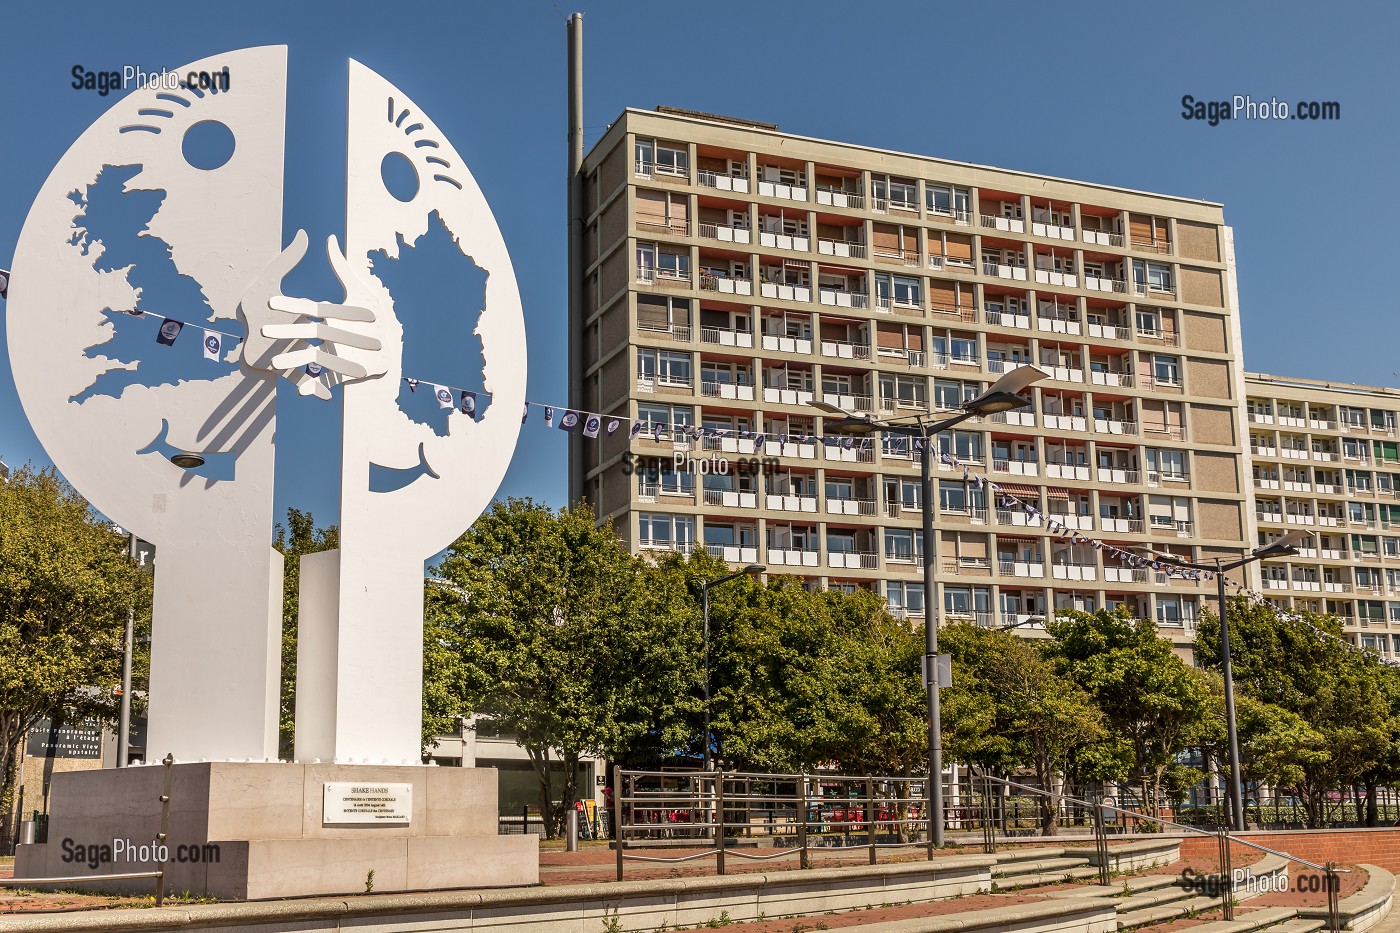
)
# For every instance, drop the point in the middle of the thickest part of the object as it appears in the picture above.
(66, 587)
(300, 536)
(565, 640)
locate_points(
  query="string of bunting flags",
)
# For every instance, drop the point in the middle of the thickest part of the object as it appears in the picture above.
(593, 425)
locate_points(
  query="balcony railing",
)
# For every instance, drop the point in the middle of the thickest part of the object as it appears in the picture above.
(1004, 224)
(895, 256)
(792, 557)
(731, 498)
(845, 350)
(842, 299)
(1004, 270)
(1105, 377)
(728, 390)
(966, 567)
(669, 278)
(733, 553)
(835, 506)
(663, 225)
(1103, 238)
(853, 560)
(722, 181)
(1013, 568)
(839, 197)
(724, 233)
(726, 337)
(842, 248)
(1119, 476)
(1109, 331)
(1130, 526)
(674, 331)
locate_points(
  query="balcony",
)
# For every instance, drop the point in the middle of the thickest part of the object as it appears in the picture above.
(1003, 270)
(653, 224)
(1129, 526)
(1016, 319)
(651, 383)
(1063, 373)
(1109, 377)
(844, 249)
(1008, 620)
(679, 332)
(1052, 323)
(1263, 482)
(1171, 432)
(1102, 283)
(655, 171)
(733, 553)
(1109, 331)
(1071, 520)
(908, 558)
(853, 560)
(1115, 574)
(843, 299)
(1103, 238)
(1114, 426)
(1117, 476)
(724, 233)
(1004, 224)
(787, 344)
(731, 499)
(966, 567)
(971, 516)
(665, 278)
(1161, 289)
(792, 557)
(1012, 568)
(1024, 418)
(845, 350)
(786, 503)
(853, 454)
(850, 506)
(730, 445)
(1056, 277)
(727, 390)
(1016, 467)
(1066, 471)
(710, 282)
(726, 337)
(836, 197)
(784, 241)
(721, 181)
(788, 192)
(849, 402)
(891, 256)
(1065, 422)
(1051, 231)
(783, 396)
(790, 448)
(785, 292)
(1015, 517)
(1074, 571)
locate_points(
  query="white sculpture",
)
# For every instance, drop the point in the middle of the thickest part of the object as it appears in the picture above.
(217, 615)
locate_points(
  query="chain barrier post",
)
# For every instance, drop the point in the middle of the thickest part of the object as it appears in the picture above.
(1334, 885)
(1101, 839)
(870, 817)
(719, 820)
(804, 857)
(618, 829)
(164, 835)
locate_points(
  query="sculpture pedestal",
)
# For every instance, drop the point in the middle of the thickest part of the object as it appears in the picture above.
(243, 830)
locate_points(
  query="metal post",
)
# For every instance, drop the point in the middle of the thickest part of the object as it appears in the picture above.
(1236, 794)
(935, 724)
(575, 259)
(571, 830)
(124, 720)
(1227, 876)
(705, 636)
(617, 817)
(1101, 839)
(164, 836)
(719, 820)
(870, 817)
(804, 857)
(1334, 894)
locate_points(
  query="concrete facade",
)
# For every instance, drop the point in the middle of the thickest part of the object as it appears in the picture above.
(734, 273)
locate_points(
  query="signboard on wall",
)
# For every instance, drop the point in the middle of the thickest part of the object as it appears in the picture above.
(72, 740)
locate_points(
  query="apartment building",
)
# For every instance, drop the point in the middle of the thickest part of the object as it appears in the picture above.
(1326, 457)
(732, 274)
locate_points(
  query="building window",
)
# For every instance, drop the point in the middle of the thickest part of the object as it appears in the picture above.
(666, 532)
(664, 416)
(909, 597)
(1166, 370)
(903, 545)
(665, 366)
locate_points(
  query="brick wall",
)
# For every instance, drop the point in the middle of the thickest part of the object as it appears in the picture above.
(1380, 846)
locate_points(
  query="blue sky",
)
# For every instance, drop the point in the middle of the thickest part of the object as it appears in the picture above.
(1090, 91)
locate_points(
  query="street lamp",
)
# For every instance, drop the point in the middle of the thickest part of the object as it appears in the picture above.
(705, 585)
(1001, 396)
(1286, 546)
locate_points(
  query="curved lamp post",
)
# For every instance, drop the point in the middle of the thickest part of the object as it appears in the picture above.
(1001, 396)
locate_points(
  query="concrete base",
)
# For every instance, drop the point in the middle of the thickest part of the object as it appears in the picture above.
(247, 830)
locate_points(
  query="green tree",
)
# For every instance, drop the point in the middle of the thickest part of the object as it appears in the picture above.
(1012, 710)
(300, 536)
(66, 586)
(565, 640)
(1307, 671)
(1149, 696)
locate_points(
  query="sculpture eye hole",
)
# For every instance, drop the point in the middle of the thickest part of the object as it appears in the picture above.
(208, 145)
(399, 176)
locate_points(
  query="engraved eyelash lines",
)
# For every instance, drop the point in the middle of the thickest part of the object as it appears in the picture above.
(398, 121)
